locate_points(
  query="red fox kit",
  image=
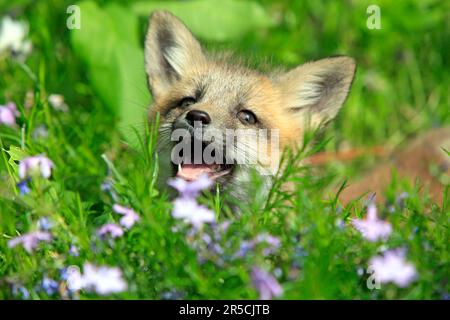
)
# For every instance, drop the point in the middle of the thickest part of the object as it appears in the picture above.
(192, 90)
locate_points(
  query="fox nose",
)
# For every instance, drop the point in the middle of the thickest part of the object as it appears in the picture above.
(197, 115)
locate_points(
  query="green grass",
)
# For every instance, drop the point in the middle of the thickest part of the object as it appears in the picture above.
(400, 90)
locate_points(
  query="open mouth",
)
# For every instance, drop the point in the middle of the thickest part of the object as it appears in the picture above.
(191, 170)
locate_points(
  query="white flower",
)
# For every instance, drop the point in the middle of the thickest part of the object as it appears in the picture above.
(74, 280)
(392, 267)
(373, 228)
(103, 280)
(189, 210)
(57, 102)
(30, 165)
(13, 37)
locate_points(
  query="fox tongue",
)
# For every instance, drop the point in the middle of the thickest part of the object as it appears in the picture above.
(193, 171)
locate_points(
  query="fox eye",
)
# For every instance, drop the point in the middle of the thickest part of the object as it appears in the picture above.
(186, 102)
(246, 117)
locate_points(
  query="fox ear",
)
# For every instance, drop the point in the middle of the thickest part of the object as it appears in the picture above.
(318, 89)
(170, 49)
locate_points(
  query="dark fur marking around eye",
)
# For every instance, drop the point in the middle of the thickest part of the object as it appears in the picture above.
(169, 107)
(200, 92)
(175, 102)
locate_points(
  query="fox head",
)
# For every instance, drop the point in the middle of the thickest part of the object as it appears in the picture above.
(192, 90)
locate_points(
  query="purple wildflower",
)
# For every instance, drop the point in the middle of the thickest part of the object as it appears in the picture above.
(340, 224)
(193, 213)
(392, 267)
(244, 248)
(30, 240)
(50, 286)
(34, 164)
(265, 237)
(113, 229)
(16, 289)
(191, 189)
(206, 238)
(123, 210)
(300, 255)
(23, 186)
(8, 114)
(173, 294)
(130, 217)
(248, 245)
(277, 272)
(373, 228)
(267, 286)
(108, 187)
(223, 227)
(45, 224)
(74, 251)
(269, 239)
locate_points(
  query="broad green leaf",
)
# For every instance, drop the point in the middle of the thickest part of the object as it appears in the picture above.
(16, 153)
(108, 43)
(212, 20)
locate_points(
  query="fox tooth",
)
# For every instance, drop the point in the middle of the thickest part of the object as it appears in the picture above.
(179, 167)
